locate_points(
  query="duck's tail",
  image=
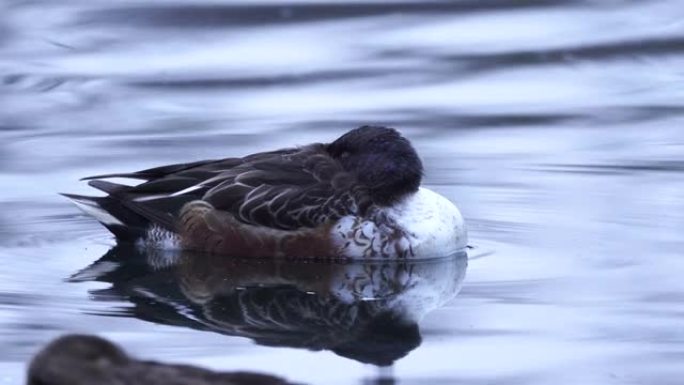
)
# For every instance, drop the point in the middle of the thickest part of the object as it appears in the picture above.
(120, 220)
(129, 212)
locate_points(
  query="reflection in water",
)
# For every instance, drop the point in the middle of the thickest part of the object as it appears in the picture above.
(366, 311)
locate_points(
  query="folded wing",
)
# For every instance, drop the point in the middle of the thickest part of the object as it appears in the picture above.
(285, 189)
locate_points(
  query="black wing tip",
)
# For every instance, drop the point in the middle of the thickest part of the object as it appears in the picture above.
(112, 214)
(108, 187)
(92, 177)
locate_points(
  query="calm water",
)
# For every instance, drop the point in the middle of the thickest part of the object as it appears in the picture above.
(556, 126)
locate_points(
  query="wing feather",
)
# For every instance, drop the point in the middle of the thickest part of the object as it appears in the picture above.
(284, 190)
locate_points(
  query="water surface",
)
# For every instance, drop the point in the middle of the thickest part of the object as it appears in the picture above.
(555, 126)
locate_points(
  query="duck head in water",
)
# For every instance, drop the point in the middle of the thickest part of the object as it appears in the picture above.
(75, 359)
(91, 360)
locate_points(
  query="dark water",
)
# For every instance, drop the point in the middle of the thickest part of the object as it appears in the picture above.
(557, 128)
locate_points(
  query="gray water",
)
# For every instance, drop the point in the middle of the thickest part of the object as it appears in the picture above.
(555, 126)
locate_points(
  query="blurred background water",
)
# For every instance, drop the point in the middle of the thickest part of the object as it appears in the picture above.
(556, 126)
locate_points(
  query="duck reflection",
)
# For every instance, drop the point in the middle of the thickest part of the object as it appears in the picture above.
(366, 311)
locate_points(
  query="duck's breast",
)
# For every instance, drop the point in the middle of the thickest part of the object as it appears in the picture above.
(423, 225)
(435, 224)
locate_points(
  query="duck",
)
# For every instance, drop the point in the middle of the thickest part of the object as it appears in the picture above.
(83, 359)
(357, 197)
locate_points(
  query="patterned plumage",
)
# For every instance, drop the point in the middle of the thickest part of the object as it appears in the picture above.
(303, 201)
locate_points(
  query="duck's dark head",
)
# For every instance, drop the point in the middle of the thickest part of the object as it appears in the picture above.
(76, 360)
(382, 159)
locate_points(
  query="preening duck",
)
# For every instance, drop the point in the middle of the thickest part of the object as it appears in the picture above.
(357, 197)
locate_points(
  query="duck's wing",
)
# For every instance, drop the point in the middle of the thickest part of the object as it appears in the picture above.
(287, 191)
(195, 171)
(186, 180)
(127, 211)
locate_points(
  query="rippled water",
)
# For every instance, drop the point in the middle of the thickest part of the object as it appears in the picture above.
(557, 127)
